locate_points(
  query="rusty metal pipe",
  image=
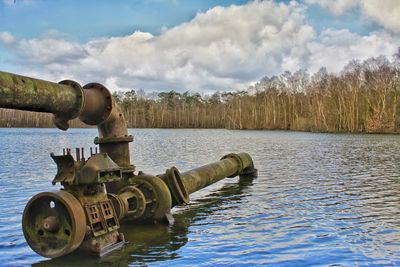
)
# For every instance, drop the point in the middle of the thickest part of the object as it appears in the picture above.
(24, 93)
(230, 165)
(180, 185)
(113, 137)
(201, 177)
(93, 104)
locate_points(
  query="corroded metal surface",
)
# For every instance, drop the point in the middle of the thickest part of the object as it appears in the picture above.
(67, 100)
(159, 202)
(133, 202)
(66, 232)
(230, 165)
(101, 190)
(173, 179)
(24, 93)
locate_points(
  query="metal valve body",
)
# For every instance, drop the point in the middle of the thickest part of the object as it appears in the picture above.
(101, 191)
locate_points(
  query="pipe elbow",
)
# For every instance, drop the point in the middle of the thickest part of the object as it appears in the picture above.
(114, 126)
(102, 110)
(97, 107)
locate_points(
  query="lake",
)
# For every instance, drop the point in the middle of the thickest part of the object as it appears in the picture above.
(319, 200)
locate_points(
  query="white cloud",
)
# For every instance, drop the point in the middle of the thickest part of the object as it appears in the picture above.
(6, 38)
(334, 48)
(47, 50)
(225, 48)
(384, 12)
(337, 7)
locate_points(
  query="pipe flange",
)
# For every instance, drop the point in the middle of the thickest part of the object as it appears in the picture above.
(238, 160)
(108, 140)
(134, 201)
(158, 197)
(178, 190)
(80, 95)
(60, 120)
(94, 113)
(118, 204)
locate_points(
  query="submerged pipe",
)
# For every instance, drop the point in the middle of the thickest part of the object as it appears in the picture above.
(181, 185)
(67, 100)
(230, 165)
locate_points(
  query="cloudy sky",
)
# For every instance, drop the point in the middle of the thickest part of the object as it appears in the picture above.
(202, 46)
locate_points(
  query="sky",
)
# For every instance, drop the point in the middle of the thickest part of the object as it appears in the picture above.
(201, 46)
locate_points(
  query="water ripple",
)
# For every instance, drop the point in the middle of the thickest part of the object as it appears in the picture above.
(320, 199)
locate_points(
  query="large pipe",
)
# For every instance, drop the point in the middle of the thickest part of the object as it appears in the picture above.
(19, 92)
(230, 165)
(181, 185)
(93, 104)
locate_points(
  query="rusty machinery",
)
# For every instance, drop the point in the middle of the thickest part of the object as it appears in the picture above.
(101, 191)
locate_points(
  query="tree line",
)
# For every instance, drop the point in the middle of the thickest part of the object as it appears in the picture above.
(363, 97)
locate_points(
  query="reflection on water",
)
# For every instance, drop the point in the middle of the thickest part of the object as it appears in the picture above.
(320, 199)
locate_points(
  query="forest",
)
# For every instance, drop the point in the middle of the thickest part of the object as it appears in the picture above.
(363, 98)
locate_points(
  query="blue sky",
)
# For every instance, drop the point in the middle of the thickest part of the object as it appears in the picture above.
(58, 39)
(83, 20)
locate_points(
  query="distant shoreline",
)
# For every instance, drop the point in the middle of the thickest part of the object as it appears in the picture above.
(186, 128)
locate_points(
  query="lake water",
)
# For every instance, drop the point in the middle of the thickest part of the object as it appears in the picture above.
(319, 200)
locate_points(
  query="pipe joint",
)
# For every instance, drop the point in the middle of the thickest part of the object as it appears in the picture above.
(108, 140)
(239, 161)
(61, 120)
(98, 104)
(173, 179)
